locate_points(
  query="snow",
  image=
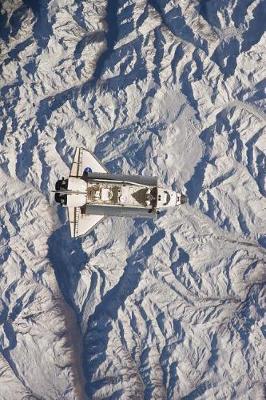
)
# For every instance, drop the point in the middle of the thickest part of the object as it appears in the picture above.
(165, 309)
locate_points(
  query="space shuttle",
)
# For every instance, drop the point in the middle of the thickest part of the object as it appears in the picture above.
(91, 193)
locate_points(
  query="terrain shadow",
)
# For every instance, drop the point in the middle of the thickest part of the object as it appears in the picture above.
(67, 258)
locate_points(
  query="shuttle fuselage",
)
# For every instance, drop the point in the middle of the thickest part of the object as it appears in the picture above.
(92, 193)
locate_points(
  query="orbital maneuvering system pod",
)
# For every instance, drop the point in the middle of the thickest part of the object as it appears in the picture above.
(92, 193)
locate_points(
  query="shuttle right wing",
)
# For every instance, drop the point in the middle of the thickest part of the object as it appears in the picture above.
(81, 223)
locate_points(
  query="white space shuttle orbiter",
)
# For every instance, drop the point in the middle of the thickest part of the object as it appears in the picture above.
(92, 193)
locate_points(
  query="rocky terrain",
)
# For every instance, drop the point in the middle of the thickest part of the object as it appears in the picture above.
(166, 309)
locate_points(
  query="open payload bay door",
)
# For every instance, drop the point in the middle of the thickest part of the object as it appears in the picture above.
(81, 223)
(85, 159)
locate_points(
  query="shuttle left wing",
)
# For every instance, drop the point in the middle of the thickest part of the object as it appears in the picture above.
(81, 223)
(85, 159)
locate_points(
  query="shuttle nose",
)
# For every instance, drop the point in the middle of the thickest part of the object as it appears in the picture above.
(181, 199)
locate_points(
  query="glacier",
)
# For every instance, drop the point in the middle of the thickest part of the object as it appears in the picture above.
(166, 309)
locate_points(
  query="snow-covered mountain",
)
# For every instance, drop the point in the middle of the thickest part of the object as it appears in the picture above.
(171, 309)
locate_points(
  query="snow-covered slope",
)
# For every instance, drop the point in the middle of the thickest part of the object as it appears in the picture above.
(171, 309)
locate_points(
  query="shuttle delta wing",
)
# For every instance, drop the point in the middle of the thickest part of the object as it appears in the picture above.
(84, 159)
(81, 223)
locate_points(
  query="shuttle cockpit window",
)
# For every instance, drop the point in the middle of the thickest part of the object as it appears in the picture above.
(153, 197)
(167, 198)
